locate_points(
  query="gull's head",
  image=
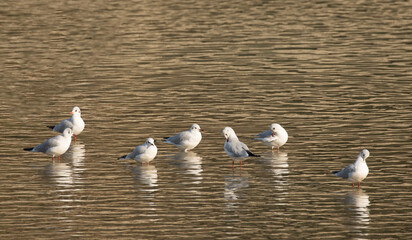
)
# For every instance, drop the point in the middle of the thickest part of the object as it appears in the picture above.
(150, 141)
(68, 132)
(195, 127)
(364, 154)
(274, 127)
(76, 110)
(228, 132)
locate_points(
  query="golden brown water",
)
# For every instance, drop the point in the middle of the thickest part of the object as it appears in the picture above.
(335, 74)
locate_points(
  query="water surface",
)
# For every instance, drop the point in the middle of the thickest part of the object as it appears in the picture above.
(336, 75)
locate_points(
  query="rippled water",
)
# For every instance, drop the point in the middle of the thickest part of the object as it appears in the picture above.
(335, 74)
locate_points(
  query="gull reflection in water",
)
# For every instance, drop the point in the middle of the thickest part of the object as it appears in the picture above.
(146, 174)
(190, 163)
(278, 165)
(357, 203)
(76, 154)
(67, 174)
(234, 184)
(61, 174)
(146, 179)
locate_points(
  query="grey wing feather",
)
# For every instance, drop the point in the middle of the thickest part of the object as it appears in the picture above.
(43, 147)
(178, 138)
(244, 146)
(344, 173)
(137, 151)
(237, 149)
(63, 125)
(264, 134)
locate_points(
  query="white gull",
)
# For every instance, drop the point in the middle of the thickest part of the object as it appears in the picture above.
(356, 171)
(76, 123)
(276, 136)
(55, 146)
(144, 153)
(186, 140)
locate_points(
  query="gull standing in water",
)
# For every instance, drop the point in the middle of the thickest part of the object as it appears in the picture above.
(235, 148)
(144, 153)
(276, 136)
(76, 123)
(186, 140)
(357, 171)
(55, 146)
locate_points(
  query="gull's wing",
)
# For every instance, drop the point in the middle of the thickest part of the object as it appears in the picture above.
(66, 123)
(178, 138)
(49, 143)
(236, 149)
(345, 172)
(264, 134)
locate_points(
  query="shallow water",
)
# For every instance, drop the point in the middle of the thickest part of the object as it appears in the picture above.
(336, 75)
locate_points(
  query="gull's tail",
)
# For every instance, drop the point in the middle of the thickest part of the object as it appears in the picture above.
(251, 154)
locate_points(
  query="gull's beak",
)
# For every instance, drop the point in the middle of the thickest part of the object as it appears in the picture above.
(201, 130)
(273, 134)
(71, 112)
(227, 139)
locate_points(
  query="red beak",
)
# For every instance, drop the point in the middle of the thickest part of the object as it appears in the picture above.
(227, 139)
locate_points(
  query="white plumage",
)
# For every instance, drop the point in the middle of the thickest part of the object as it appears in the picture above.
(144, 153)
(186, 140)
(275, 137)
(235, 148)
(55, 146)
(356, 171)
(76, 123)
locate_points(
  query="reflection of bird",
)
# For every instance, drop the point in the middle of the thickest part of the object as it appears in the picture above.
(146, 174)
(76, 153)
(55, 146)
(190, 161)
(233, 184)
(357, 171)
(186, 140)
(357, 199)
(279, 167)
(76, 123)
(278, 161)
(61, 173)
(144, 153)
(235, 148)
(358, 202)
(276, 136)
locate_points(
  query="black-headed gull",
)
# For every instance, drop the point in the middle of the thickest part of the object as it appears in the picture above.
(144, 153)
(186, 140)
(356, 171)
(75, 122)
(235, 148)
(55, 146)
(276, 136)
